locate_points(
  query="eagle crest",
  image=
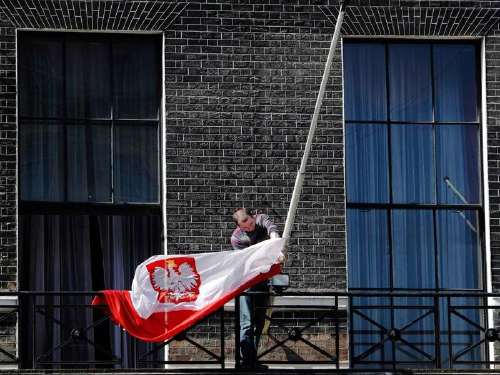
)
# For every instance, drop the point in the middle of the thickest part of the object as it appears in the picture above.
(176, 280)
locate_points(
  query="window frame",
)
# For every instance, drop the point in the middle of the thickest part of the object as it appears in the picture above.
(388, 207)
(112, 206)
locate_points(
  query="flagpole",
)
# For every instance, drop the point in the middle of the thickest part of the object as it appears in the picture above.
(299, 181)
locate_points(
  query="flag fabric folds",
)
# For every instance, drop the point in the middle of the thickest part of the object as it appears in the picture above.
(171, 293)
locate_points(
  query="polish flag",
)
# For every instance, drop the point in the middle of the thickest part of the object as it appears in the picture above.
(171, 293)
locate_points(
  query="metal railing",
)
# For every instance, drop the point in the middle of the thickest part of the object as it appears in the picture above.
(356, 330)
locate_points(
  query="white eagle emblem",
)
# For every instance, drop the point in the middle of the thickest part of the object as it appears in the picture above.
(176, 280)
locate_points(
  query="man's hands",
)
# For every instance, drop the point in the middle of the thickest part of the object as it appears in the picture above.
(274, 235)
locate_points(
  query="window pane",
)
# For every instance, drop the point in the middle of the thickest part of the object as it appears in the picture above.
(367, 163)
(136, 79)
(455, 82)
(41, 162)
(88, 80)
(413, 179)
(457, 158)
(89, 163)
(368, 248)
(458, 246)
(410, 82)
(414, 314)
(136, 163)
(365, 88)
(413, 248)
(41, 78)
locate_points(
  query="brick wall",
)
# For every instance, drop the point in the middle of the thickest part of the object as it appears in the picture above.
(241, 84)
(320, 333)
(493, 134)
(8, 132)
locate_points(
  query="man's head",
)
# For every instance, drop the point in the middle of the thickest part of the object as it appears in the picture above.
(244, 219)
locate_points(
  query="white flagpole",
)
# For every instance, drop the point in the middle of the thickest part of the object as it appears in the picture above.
(299, 181)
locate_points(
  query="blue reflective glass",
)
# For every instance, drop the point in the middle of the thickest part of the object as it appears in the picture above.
(135, 156)
(455, 82)
(410, 84)
(458, 248)
(41, 77)
(364, 80)
(367, 165)
(42, 161)
(135, 79)
(457, 160)
(88, 89)
(368, 248)
(413, 177)
(89, 165)
(413, 249)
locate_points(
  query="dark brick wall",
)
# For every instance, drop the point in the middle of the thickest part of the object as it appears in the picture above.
(8, 132)
(317, 327)
(241, 82)
(493, 134)
(241, 85)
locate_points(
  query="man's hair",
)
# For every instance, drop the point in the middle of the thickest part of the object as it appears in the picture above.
(245, 210)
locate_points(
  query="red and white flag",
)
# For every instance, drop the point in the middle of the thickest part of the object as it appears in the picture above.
(171, 293)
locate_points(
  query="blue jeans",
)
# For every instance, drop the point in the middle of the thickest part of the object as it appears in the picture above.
(252, 320)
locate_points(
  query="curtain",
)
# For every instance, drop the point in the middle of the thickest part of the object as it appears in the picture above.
(457, 152)
(410, 84)
(41, 78)
(413, 176)
(368, 262)
(455, 82)
(365, 90)
(136, 79)
(41, 161)
(136, 163)
(367, 165)
(82, 253)
(407, 162)
(88, 79)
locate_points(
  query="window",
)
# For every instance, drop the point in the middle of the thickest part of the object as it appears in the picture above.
(89, 114)
(413, 180)
(89, 119)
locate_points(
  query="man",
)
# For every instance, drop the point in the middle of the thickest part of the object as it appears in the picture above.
(252, 229)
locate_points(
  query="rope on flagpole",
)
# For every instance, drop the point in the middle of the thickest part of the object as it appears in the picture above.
(299, 181)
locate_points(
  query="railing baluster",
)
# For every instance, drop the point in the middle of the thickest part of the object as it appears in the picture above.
(337, 339)
(222, 339)
(350, 324)
(437, 337)
(134, 352)
(450, 348)
(33, 343)
(237, 353)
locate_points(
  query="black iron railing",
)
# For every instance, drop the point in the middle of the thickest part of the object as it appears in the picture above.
(357, 330)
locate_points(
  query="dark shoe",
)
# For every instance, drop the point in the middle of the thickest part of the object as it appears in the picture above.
(261, 367)
(255, 366)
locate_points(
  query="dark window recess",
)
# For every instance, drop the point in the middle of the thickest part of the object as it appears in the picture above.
(89, 118)
(413, 179)
(89, 185)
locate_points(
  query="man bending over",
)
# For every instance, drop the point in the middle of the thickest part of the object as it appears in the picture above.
(252, 229)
